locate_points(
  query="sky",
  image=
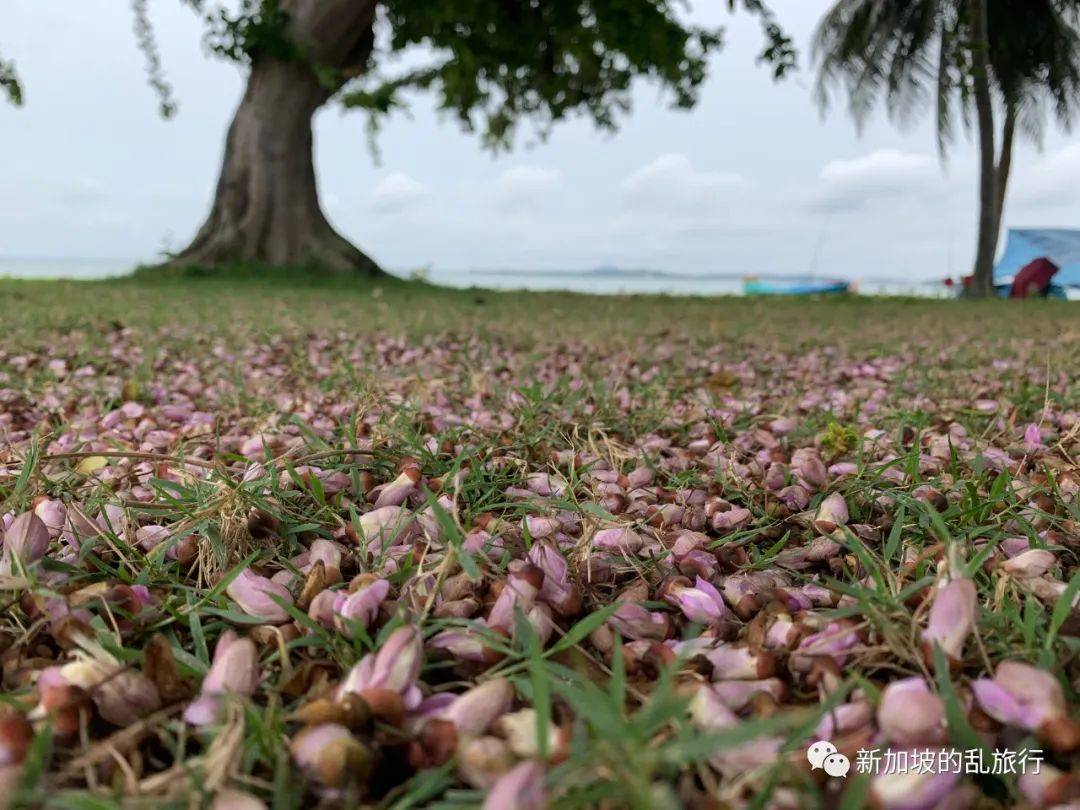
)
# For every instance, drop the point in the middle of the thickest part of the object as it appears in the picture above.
(754, 179)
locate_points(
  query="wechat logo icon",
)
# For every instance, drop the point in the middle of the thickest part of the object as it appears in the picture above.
(823, 754)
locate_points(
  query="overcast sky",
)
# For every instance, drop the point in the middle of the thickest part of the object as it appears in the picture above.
(752, 179)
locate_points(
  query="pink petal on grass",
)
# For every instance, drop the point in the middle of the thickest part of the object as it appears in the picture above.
(831, 514)
(618, 539)
(256, 596)
(27, 538)
(952, 616)
(474, 711)
(911, 714)
(521, 788)
(701, 603)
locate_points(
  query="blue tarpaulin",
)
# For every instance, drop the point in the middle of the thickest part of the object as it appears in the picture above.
(1060, 245)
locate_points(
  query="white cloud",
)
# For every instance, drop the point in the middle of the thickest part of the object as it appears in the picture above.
(883, 173)
(395, 192)
(84, 190)
(1052, 181)
(671, 182)
(523, 187)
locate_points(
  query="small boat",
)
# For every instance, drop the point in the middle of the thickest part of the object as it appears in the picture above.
(795, 286)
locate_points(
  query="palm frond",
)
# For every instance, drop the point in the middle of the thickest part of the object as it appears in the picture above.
(903, 53)
(878, 50)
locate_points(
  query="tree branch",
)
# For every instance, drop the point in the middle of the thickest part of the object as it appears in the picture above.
(332, 33)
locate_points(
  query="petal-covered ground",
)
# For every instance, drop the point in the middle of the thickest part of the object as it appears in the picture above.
(271, 544)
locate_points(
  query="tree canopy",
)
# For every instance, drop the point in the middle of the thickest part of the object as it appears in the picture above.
(493, 64)
(919, 55)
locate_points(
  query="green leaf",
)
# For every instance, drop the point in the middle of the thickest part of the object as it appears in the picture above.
(1033, 614)
(235, 617)
(446, 523)
(938, 524)
(981, 556)
(304, 620)
(424, 786)
(541, 684)
(198, 637)
(581, 629)
(961, 733)
(867, 561)
(892, 545)
(9, 83)
(71, 800)
(856, 793)
(1062, 608)
(596, 708)
(37, 757)
(596, 510)
(814, 717)
(697, 746)
(914, 587)
(617, 683)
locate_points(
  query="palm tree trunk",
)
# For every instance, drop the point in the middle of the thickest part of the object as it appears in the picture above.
(1008, 132)
(982, 282)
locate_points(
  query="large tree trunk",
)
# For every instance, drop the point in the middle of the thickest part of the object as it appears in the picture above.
(266, 208)
(982, 282)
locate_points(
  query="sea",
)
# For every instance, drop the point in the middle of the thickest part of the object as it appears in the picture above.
(603, 280)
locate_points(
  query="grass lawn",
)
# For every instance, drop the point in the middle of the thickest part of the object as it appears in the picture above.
(276, 540)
